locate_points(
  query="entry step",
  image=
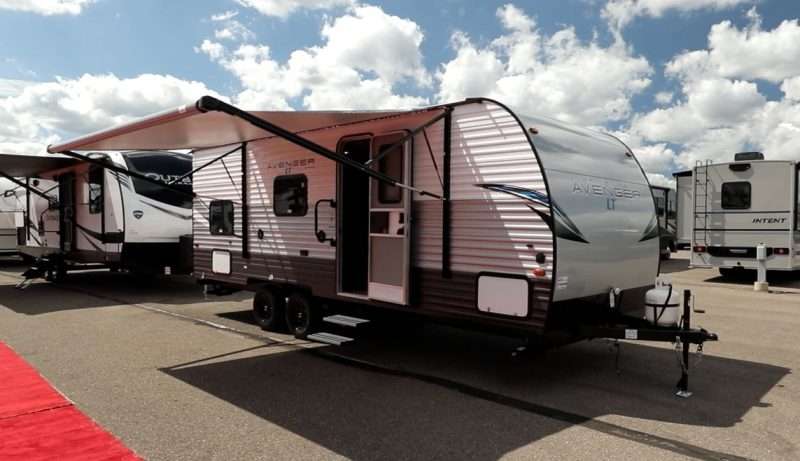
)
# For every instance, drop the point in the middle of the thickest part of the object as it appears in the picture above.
(329, 338)
(345, 320)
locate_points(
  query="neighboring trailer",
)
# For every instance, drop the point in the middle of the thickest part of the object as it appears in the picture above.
(741, 205)
(94, 212)
(12, 209)
(666, 210)
(684, 188)
(463, 212)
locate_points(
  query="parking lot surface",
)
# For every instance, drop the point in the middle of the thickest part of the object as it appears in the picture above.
(178, 375)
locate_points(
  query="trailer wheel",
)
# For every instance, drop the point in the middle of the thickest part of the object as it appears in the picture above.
(268, 310)
(301, 315)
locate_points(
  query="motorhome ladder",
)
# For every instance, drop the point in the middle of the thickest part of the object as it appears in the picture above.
(701, 203)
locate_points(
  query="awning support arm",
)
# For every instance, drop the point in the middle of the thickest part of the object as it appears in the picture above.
(408, 136)
(208, 104)
(433, 158)
(27, 187)
(189, 174)
(111, 167)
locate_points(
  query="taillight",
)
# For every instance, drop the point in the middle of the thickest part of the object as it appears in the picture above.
(539, 272)
(699, 249)
(781, 251)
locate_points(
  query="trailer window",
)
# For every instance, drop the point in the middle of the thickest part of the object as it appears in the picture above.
(95, 190)
(290, 195)
(392, 166)
(736, 195)
(220, 217)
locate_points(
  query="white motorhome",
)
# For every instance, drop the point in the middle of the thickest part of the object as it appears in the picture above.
(112, 209)
(684, 187)
(462, 212)
(12, 210)
(740, 205)
(666, 211)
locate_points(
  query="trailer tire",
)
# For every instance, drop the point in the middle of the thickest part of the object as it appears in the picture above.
(268, 310)
(301, 315)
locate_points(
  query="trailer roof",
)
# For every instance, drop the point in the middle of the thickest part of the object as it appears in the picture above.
(189, 127)
(29, 166)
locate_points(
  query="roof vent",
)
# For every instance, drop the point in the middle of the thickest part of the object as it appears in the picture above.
(747, 156)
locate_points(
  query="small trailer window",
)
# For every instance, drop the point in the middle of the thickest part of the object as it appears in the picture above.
(290, 195)
(736, 195)
(220, 217)
(392, 166)
(95, 190)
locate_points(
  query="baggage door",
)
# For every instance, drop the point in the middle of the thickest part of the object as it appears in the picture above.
(389, 226)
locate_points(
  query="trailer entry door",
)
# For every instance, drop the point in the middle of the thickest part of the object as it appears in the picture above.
(389, 227)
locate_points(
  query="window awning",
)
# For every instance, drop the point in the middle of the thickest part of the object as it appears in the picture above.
(31, 166)
(188, 127)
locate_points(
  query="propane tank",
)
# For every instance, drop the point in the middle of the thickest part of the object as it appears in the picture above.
(662, 304)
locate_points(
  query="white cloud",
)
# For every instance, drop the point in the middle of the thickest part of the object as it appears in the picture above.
(46, 7)
(347, 71)
(664, 97)
(621, 12)
(230, 28)
(721, 110)
(45, 112)
(556, 75)
(284, 8)
(749, 53)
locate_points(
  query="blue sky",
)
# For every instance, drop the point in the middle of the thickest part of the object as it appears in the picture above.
(41, 45)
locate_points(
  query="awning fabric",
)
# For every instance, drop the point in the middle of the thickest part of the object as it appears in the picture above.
(189, 128)
(30, 166)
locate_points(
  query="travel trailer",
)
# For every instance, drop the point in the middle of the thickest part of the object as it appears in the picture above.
(684, 188)
(667, 213)
(463, 212)
(744, 204)
(11, 215)
(110, 209)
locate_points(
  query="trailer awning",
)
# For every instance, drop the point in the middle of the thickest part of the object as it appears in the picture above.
(30, 166)
(189, 127)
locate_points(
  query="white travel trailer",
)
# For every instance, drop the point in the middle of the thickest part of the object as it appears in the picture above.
(112, 209)
(12, 209)
(462, 212)
(741, 205)
(684, 187)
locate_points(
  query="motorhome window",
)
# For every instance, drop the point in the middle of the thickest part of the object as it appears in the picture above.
(220, 217)
(290, 195)
(736, 195)
(95, 190)
(163, 167)
(392, 166)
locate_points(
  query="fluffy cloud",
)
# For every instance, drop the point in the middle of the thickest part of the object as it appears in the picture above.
(346, 71)
(46, 7)
(557, 75)
(42, 113)
(230, 28)
(284, 8)
(721, 109)
(621, 12)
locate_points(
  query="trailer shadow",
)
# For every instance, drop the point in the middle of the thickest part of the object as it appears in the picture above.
(782, 279)
(441, 392)
(673, 265)
(93, 289)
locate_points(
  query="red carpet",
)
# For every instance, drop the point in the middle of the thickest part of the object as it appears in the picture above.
(38, 423)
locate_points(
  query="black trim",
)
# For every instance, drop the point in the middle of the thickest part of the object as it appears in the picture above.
(507, 276)
(446, 204)
(682, 173)
(747, 212)
(731, 252)
(245, 206)
(542, 169)
(28, 208)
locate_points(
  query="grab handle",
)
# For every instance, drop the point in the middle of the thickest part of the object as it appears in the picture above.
(321, 236)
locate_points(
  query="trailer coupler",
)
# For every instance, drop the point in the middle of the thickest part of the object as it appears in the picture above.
(682, 335)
